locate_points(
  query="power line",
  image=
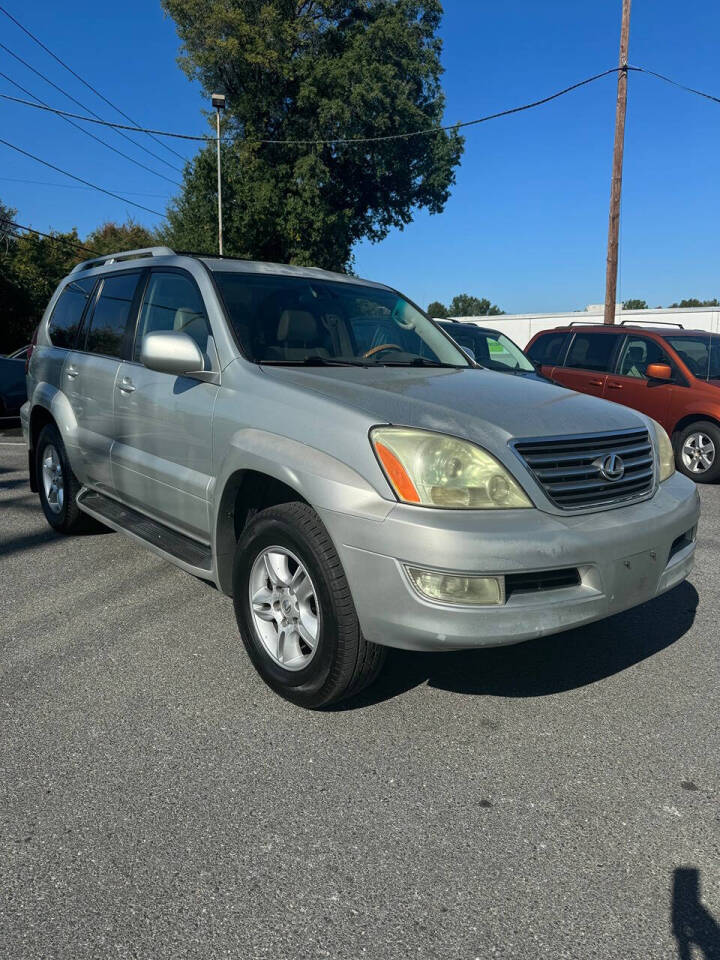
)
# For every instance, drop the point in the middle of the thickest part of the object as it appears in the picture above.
(81, 79)
(88, 133)
(50, 236)
(87, 183)
(75, 186)
(427, 131)
(676, 83)
(96, 116)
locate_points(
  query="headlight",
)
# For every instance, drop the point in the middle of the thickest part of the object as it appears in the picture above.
(438, 471)
(666, 454)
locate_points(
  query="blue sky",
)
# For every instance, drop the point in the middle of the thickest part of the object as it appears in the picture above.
(526, 224)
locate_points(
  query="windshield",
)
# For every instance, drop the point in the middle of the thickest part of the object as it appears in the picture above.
(491, 349)
(700, 353)
(300, 320)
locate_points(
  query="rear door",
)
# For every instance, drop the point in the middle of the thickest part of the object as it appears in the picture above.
(630, 385)
(162, 461)
(91, 370)
(589, 359)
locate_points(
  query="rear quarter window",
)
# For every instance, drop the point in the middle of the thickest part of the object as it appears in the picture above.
(548, 349)
(68, 312)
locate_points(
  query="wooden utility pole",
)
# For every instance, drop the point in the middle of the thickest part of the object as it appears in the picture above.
(617, 171)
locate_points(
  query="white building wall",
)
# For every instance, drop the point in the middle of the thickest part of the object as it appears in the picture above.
(521, 327)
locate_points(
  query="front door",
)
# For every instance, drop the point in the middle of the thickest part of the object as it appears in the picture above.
(162, 460)
(630, 385)
(89, 376)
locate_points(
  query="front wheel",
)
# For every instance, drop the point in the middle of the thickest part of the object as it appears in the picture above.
(295, 612)
(698, 451)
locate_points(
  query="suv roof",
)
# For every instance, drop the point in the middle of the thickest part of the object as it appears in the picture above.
(461, 323)
(674, 330)
(216, 262)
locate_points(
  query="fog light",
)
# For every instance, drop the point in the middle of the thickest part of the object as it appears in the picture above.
(451, 588)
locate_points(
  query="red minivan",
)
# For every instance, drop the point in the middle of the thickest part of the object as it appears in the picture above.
(669, 373)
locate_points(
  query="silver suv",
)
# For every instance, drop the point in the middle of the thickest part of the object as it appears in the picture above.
(326, 455)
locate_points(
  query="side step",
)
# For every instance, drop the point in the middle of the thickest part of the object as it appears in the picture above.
(175, 546)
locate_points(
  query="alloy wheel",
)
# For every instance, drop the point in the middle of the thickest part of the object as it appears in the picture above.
(284, 607)
(698, 452)
(53, 479)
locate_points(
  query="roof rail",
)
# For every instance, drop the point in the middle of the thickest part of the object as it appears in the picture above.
(582, 323)
(123, 255)
(653, 323)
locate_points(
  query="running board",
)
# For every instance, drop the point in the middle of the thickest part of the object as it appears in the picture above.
(186, 552)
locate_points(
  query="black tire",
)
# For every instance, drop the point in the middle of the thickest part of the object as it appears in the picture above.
(69, 519)
(344, 662)
(709, 429)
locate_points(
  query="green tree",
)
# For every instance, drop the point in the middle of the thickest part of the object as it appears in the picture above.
(314, 70)
(437, 309)
(113, 237)
(463, 305)
(7, 230)
(692, 302)
(635, 305)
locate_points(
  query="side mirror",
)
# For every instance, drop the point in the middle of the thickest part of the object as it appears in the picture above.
(172, 352)
(658, 371)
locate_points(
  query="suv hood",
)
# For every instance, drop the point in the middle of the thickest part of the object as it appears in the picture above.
(471, 403)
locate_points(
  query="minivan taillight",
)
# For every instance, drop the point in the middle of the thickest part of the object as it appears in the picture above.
(33, 344)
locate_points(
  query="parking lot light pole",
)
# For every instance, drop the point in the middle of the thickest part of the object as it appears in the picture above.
(218, 102)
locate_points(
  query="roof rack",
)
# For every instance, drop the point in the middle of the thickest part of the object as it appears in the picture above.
(653, 323)
(582, 323)
(124, 255)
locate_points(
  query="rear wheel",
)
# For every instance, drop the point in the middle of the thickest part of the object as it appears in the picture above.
(58, 486)
(697, 451)
(295, 612)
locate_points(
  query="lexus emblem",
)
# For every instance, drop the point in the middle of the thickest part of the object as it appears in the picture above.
(611, 467)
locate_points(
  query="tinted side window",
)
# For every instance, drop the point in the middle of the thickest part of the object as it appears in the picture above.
(548, 348)
(592, 351)
(172, 302)
(637, 354)
(65, 320)
(111, 314)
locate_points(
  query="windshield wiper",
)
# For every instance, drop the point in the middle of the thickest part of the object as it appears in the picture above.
(421, 362)
(315, 360)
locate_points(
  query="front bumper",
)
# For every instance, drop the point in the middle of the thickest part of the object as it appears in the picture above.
(623, 557)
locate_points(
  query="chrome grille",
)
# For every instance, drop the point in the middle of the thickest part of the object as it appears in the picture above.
(569, 468)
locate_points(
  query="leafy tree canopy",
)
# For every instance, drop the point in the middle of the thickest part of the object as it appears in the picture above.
(463, 305)
(314, 70)
(635, 305)
(437, 309)
(692, 302)
(114, 237)
(32, 266)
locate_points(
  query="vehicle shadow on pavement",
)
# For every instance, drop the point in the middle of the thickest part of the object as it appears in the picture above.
(696, 930)
(545, 666)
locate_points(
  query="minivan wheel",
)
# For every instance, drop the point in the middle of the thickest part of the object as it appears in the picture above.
(698, 451)
(294, 610)
(58, 486)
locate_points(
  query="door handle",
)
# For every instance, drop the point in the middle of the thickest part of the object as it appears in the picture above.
(614, 386)
(596, 383)
(126, 385)
(72, 372)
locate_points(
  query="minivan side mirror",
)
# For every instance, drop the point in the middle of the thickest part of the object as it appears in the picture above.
(659, 371)
(175, 353)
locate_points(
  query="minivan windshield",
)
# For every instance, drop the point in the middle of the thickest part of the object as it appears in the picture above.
(701, 354)
(301, 320)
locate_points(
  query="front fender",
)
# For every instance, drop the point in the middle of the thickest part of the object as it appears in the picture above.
(325, 482)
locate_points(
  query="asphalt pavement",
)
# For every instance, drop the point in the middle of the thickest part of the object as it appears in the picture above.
(554, 799)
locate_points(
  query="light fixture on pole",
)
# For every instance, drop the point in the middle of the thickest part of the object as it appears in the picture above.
(218, 102)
